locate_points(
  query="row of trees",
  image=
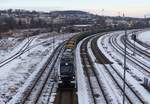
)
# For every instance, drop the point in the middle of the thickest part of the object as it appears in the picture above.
(9, 23)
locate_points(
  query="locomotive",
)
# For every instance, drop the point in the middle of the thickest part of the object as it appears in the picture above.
(67, 70)
(66, 75)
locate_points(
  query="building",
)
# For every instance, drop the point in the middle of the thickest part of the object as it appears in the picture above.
(109, 22)
(59, 20)
(23, 20)
(82, 27)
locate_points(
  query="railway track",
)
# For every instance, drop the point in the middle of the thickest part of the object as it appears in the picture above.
(25, 48)
(97, 92)
(137, 49)
(132, 97)
(99, 56)
(66, 96)
(40, 91)
(143, 44)
(142, 65)
(140, 98)
(20, 52)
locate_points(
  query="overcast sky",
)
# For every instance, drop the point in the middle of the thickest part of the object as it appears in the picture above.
(136, 8)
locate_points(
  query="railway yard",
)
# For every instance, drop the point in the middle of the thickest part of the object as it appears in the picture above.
(32, 70)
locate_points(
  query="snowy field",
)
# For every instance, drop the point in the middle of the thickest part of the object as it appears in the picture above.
(7, 45)
(83, 97)
(145, 37)
(135, 64)
(112, 47)
(15, 73)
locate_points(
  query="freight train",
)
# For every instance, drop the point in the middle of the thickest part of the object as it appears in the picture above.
(66, 75)
(67, 70)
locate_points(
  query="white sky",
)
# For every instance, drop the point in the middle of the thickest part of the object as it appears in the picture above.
(136, 8)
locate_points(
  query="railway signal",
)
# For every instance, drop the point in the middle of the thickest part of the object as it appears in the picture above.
(134, 38)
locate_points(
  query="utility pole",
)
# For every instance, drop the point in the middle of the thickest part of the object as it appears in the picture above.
(125, 59)
(102, 12)
(118, 14)
(28, 43)
(63, 37)
(53, 42)
(144, 16)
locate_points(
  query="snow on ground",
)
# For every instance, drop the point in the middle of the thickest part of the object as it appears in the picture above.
(138, 57)
(115, 56)
(83, 97)
(133, 74)
(7, 45)
(134, 84)
(14, 74)
(112, 93)
(144, 37)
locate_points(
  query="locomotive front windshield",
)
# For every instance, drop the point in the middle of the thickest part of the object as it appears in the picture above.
(66, 68)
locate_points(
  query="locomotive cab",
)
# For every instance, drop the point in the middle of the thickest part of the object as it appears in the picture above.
(67, 71)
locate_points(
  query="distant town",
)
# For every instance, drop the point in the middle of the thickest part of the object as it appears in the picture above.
(64, 21)
(73, 56)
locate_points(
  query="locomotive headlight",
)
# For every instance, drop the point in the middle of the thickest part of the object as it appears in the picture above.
(66, 63)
